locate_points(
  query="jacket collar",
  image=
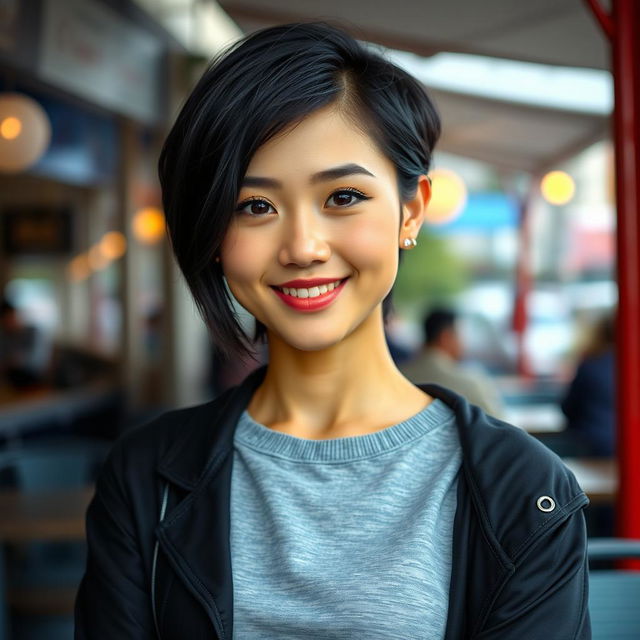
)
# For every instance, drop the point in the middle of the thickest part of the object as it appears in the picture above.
(194, 536)
(206, 435)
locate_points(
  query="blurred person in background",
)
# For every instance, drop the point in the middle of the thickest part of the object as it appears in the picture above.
(322, 497)
(439, 362)
(589, 403)
(23, 350)
(400, 352)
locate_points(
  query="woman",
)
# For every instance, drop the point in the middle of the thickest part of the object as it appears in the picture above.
(589, 403)
(326, 496)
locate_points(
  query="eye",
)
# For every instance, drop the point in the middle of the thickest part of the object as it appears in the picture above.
(255, 207)
(345, 198)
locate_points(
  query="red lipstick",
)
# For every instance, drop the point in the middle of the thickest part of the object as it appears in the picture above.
(307, 305)
(300, 283)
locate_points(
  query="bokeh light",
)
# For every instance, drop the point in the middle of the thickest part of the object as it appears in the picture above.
(149, 225)
(78, 269)
(557, 187)
(10, 128)
(25, 132)
(448, 197)
(113, 245)
(97, 259)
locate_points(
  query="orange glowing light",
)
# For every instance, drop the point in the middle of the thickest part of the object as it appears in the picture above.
(149, 225)
(448, 197)
(10, 128)
(78, 268)
(97, 260)
(113, 245)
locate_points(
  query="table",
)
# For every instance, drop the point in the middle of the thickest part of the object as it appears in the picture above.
(598, 477)
(57, 515)
(43, 515)
(536, 418)
(22, 413)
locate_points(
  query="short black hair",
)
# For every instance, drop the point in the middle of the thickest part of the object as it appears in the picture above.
(260, 86)
(436, 322)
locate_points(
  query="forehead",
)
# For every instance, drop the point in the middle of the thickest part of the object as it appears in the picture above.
(322, 139)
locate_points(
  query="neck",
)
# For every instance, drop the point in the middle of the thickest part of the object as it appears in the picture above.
(350, 388)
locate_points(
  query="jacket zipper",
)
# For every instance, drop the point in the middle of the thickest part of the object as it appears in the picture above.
(155, 560)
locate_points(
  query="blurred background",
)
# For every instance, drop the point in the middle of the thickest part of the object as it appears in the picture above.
(98, 332)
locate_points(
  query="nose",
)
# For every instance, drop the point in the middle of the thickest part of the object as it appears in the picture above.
(303, 242)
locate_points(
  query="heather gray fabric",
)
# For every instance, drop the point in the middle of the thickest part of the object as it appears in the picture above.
(345, 538)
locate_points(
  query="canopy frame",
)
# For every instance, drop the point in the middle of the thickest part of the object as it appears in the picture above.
(622, 27)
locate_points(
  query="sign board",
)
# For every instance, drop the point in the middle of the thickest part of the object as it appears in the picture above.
(36, 231)
(90, 50)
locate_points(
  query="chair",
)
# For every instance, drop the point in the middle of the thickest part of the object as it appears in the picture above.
(614, 594)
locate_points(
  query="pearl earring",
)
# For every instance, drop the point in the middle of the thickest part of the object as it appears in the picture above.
(409, 243)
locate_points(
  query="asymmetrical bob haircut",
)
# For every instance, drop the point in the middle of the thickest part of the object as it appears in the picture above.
(259, 87)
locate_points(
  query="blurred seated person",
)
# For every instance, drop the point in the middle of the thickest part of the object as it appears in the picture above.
(589, 404)
(439, 362)
(23, 353)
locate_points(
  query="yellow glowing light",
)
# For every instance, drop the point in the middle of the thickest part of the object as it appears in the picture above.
(149, 225)
(448, 197)
(10, 128)
(97, 260)
(113, 245)
(557, 187)
(79, 269)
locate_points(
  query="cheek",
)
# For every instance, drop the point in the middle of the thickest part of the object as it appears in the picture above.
(244, 257)
(373, 243)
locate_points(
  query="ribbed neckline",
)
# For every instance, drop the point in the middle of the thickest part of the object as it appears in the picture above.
(255, 435)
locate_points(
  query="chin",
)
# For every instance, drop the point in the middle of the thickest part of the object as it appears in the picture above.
(311, 341)
(313, 345)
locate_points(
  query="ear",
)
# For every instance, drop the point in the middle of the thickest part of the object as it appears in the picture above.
(413, 211)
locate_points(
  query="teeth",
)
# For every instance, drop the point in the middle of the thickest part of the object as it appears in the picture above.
(313, 292)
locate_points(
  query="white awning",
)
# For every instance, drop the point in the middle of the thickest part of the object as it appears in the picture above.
(528, 127)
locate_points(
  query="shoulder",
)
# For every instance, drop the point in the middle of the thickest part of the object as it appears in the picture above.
(141, 449)
(156, 435)
(182, 444)
(523, 487)
(510, 477)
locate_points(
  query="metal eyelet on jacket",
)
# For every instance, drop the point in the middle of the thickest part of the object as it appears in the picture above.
(546, 504)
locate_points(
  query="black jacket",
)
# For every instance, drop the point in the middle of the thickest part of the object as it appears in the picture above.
(519, 564)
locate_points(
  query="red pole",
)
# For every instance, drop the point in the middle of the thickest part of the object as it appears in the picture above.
(523, 281)
(623, 28)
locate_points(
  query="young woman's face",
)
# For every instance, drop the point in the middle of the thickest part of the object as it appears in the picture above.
(313, 249)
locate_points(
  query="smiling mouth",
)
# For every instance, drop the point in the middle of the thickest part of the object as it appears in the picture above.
(311, 292)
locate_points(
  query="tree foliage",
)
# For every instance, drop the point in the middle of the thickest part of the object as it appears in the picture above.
(430, 273)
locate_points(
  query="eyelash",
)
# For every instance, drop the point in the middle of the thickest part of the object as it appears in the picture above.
(349, 190)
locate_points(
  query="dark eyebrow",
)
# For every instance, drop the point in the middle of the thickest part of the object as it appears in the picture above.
(340, 172)
(322, 176)
(257, 181)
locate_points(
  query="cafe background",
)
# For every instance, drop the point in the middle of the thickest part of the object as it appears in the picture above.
(99, 333)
